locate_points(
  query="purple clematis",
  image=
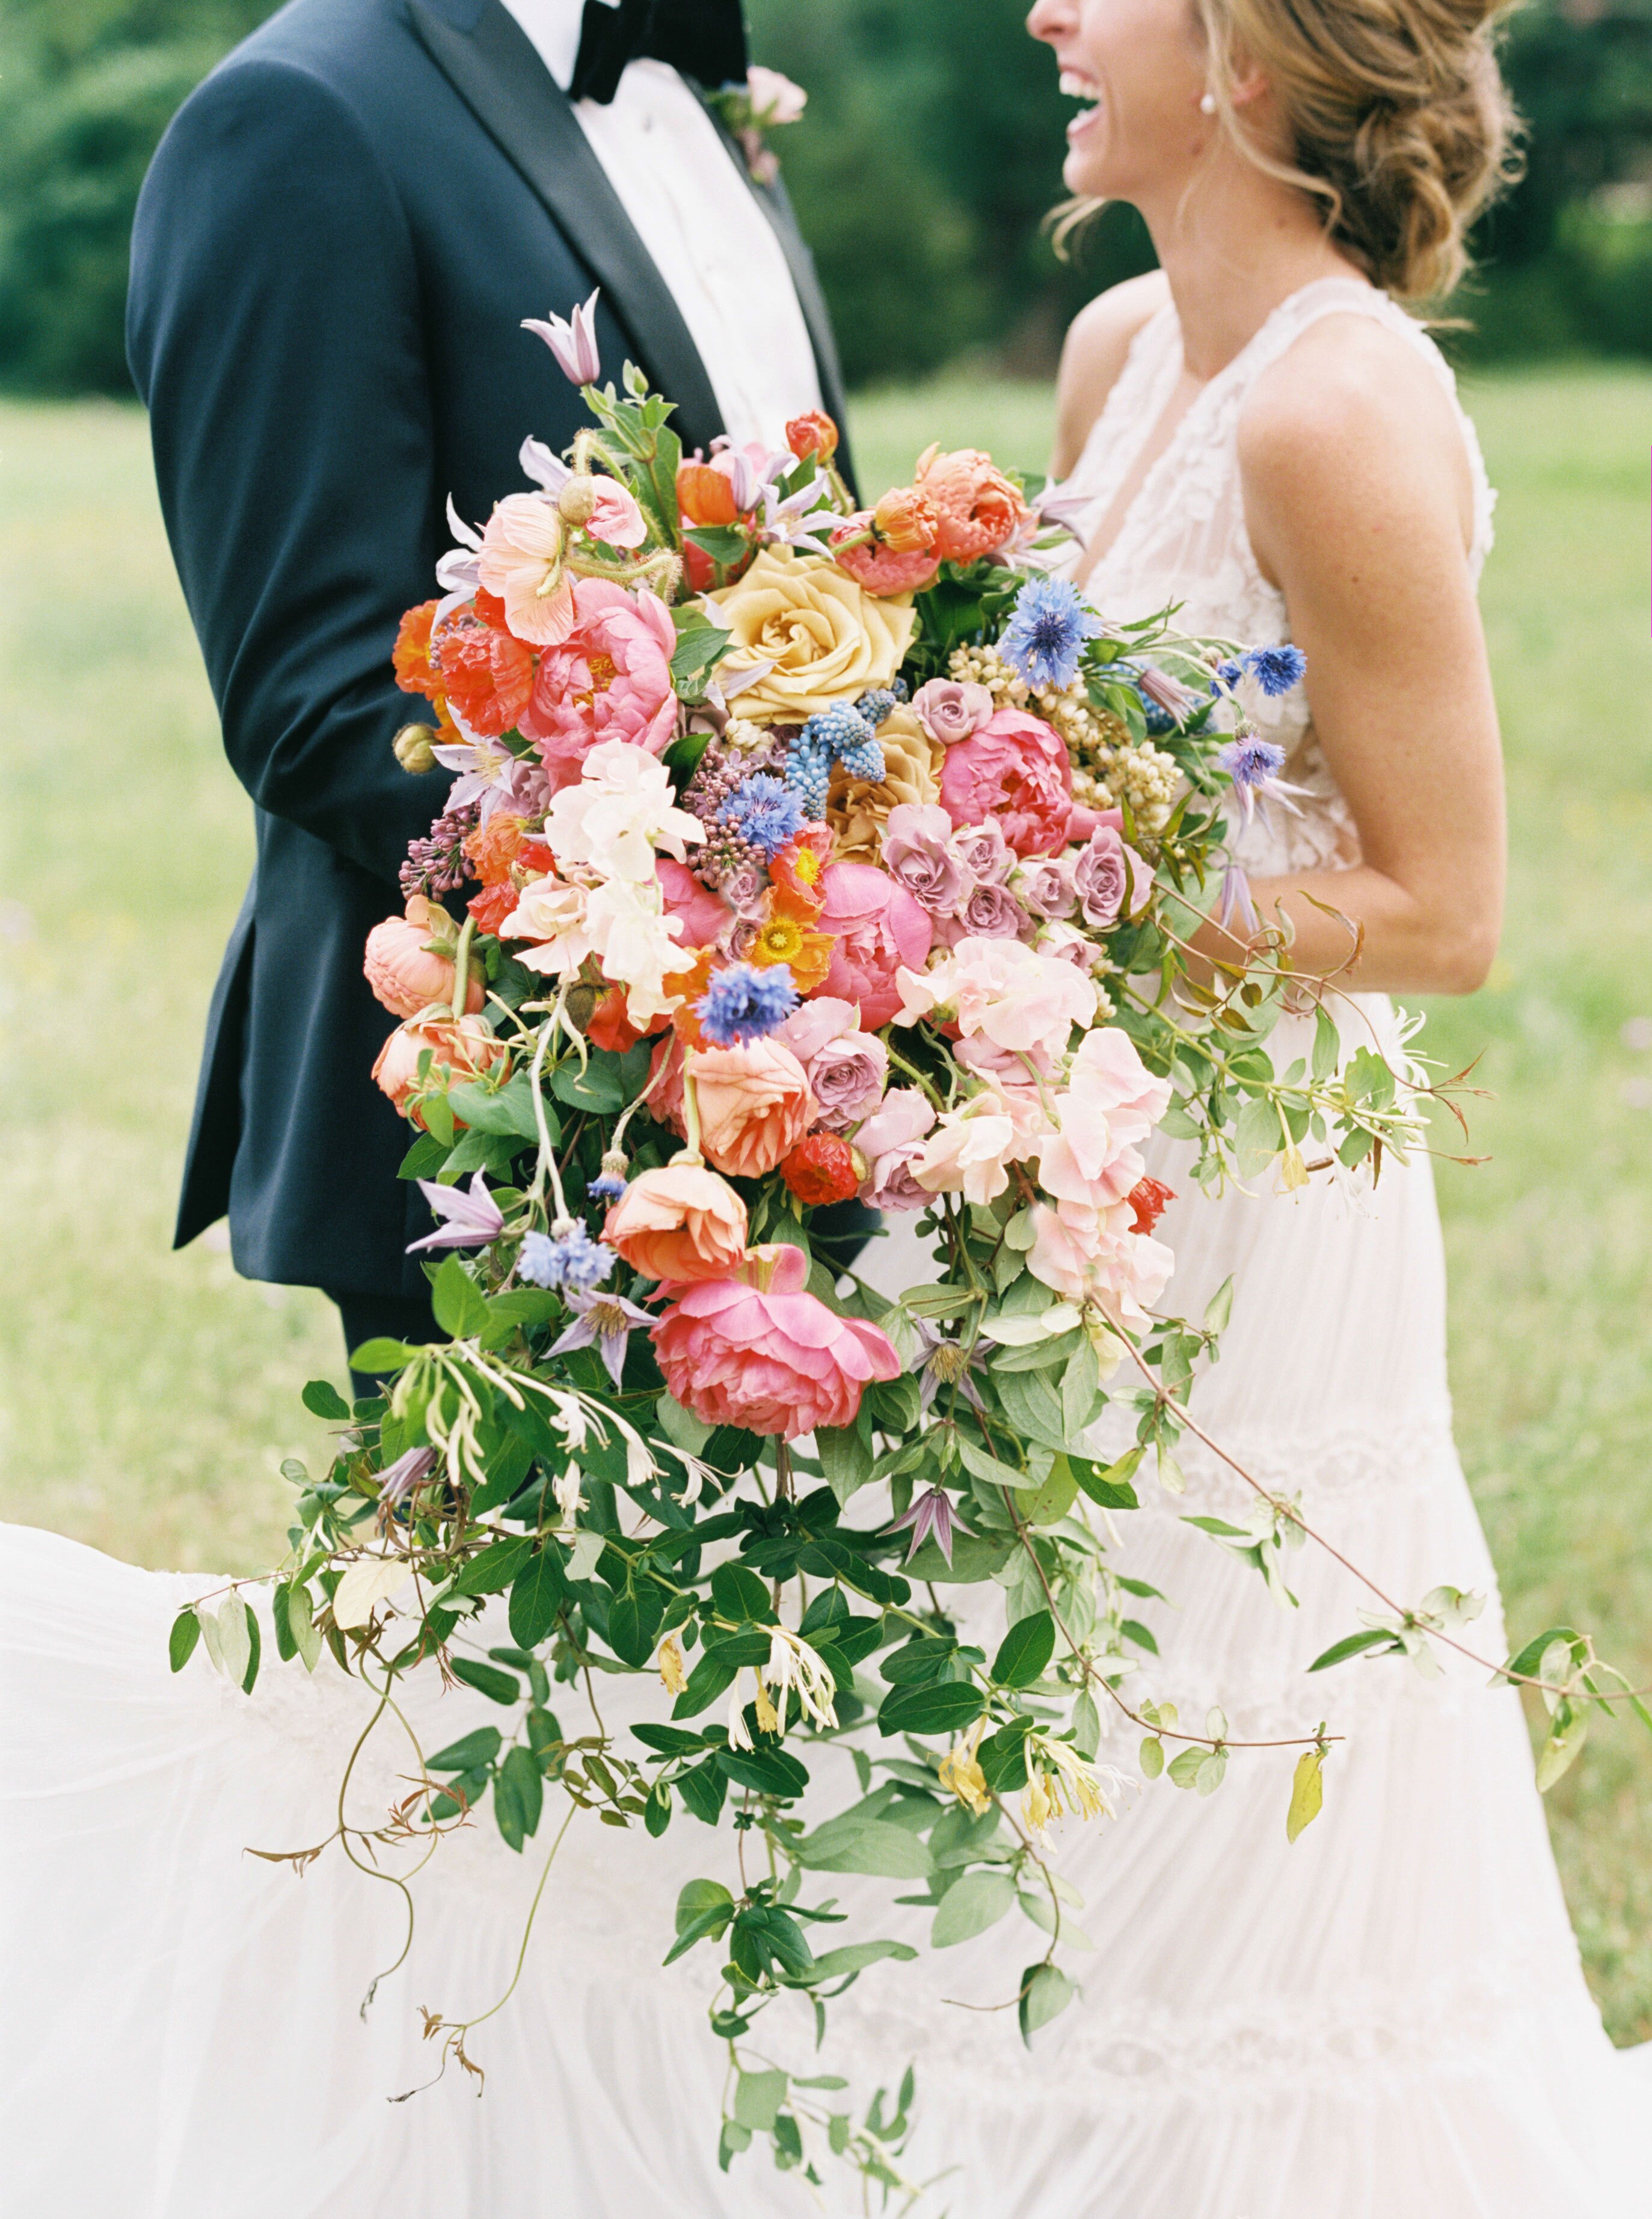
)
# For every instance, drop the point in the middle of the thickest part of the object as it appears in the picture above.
(472, 1217)
(573, 341)
(607, 1321)
(933, 1513)
(398, 1481)
(947, 1364)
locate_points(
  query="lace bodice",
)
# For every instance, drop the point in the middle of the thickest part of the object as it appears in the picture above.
(1183, 537)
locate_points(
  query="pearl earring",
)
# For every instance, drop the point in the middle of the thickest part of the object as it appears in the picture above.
(1207, 104)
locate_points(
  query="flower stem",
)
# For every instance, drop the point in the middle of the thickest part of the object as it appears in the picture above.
(462, 968)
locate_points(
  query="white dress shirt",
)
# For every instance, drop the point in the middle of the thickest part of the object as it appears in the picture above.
(696, 215)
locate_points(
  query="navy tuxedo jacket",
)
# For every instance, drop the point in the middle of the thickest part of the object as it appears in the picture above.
(336, 242)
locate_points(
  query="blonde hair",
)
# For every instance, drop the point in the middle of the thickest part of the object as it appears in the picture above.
(1399, 120)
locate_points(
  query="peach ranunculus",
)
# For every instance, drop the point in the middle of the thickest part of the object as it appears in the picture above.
(755, 1102)
(878, 928)
(609, 679)
(524, 561)
(1019, 998)
(761, 1352)
(463, 1048)
(890, 549)
(979, 509)
(681, 1223)
(405, 963)
(827, 639)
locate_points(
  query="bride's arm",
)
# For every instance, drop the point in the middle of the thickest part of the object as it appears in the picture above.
(1360, 508)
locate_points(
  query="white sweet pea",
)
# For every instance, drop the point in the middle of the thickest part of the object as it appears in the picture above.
(551, 913)
(621, 814)
(638, 944)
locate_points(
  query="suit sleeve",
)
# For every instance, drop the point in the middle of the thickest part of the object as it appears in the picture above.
(274, 330)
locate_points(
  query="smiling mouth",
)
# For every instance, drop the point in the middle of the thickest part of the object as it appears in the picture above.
(1085, 91)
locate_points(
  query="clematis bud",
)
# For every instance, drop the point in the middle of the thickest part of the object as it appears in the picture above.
(414, 748)
(577, 501)
(573, 342)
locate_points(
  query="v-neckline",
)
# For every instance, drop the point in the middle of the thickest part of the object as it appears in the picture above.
(1174, 364)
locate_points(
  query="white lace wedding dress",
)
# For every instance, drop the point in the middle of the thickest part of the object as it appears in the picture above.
(1388, 2018)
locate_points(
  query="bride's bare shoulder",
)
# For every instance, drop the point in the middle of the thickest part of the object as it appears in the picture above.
(1352, 417)
(1097, 341)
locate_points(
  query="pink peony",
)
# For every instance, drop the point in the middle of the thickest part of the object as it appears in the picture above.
(847, 1069)
(704, 916)
(610, 679)
(1014, 768)
(403, 970)
(681, 1223)
(891, 1141)
(980, 509)
(879, 927)
(760, 1352)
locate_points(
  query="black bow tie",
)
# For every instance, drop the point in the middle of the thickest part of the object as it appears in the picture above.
(704, 39)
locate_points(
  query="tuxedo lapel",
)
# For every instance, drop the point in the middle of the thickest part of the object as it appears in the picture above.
(491, 64)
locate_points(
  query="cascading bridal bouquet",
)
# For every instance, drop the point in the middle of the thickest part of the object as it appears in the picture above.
(822, 858)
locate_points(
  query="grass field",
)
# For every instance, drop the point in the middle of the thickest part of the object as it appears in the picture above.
(146, 1400)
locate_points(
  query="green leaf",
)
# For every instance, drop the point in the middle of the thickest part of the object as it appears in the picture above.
(854, 1957)
(724, 542)
(1046, 1994)
(471, 1754)
(381, 1354)
(757, 2099)
(525, 1783)
(487, 1680)
(1152, 1757)
(712, 1677)
(988, 1469)
(301, 1623)
(767, 1767)
(698, 651)
(969, 1906)
(1327, 1044)
(945, 1709)
(845, 1459)
(1025, 1651)
(696, 1898)
(975, 1556)
(1530, 1657)
(703, 1791)
(460, 1306)
(322, 1399)
(235, 1622)
(852, 1844)
(537, 1593)
(1052, 1502)
(599, 1089)
(1566, 1736)
(1081, 1396)
(1030, 1404)
(633, 1621)
(507, 1112)
(1086, 1727)
(1307, 1792)
(738, 1593)
(181, 1641)
(286, 1647)
(1351, 1646)
(494, 1569)
(1110, 1489)
(1220, 1308)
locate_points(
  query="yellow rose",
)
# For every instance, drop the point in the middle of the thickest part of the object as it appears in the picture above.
(828, 639)
(857, 813)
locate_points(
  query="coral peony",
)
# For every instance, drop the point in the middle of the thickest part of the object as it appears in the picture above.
(980, 511)
(1013, 768)
(491, 849)
(463, 1050)
(821, 1169)
(681, 1223)
(405, 963)
(486, 675)
(609, 680)
(879, 929)
(522, 560)
(415, 673)
(760, 1352)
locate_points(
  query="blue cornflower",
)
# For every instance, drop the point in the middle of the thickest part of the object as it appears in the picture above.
(1276, 669)
(1250, 762)
(766, 811)
(566, 1257)
(1044, 642)
(608, 1186)
(743, 1003)
(1227, 674)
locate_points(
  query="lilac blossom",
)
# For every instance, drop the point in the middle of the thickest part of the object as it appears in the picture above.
(472, 1218)
(605, 1322)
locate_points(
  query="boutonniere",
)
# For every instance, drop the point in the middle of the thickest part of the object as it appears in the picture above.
(751, 110)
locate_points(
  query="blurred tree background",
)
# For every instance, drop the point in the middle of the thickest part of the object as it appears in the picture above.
(931, 152)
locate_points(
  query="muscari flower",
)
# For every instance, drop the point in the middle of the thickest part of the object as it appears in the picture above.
(572, 342)
(1276, 669)
(745, 1002)
(605, 1322)
(932, 1513)
(472, 1218)
(766, 812)
(1044, 640)
(567, 1257)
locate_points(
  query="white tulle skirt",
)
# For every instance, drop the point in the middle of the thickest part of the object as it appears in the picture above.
(1388, 2018)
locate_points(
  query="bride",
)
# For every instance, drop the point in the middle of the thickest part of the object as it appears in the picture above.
(1387, 2017)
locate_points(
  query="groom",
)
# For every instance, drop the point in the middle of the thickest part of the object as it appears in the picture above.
(339, 238)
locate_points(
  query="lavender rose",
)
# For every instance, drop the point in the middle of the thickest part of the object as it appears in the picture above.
(1045, 886)
(892, 1142)
(988, 912)
(918, 850)
(984, 853)
(1110, 878)
(948, 711)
